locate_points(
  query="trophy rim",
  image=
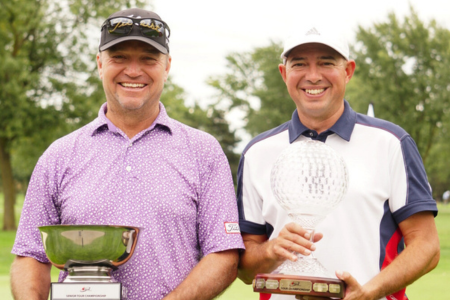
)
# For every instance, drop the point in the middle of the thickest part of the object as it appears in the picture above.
(115, 264)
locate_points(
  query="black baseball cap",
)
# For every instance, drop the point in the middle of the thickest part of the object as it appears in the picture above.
(135, 24)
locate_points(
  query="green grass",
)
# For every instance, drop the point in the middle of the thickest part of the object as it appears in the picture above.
(433, 283)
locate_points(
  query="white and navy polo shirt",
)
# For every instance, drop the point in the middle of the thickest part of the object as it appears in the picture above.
(387, 184)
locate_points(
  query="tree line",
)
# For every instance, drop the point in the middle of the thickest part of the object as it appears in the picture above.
(49, 86)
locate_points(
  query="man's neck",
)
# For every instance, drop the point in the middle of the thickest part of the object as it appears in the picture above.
(132, 122)
(320, 123)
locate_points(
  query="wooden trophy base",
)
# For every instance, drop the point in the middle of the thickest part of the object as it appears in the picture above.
(299, 285)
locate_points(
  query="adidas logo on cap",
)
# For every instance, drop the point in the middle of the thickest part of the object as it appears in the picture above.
(313, 31)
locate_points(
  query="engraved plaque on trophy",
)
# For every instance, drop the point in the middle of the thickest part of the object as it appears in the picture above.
(88, 253)
(308, 179)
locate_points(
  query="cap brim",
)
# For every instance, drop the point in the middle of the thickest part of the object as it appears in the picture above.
(157, 46)
(286, 52)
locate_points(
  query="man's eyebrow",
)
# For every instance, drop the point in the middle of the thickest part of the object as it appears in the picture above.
(328, 57)
(296, 58)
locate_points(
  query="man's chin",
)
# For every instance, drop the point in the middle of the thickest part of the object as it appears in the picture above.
(131, 105)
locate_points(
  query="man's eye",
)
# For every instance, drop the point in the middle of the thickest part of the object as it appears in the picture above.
(149, 59)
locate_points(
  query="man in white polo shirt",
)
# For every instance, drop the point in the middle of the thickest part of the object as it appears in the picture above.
(388, 204)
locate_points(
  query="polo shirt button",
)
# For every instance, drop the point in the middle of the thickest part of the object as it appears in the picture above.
(311, 134)
(128, 168)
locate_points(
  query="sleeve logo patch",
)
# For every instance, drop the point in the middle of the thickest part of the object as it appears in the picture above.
(232, 227)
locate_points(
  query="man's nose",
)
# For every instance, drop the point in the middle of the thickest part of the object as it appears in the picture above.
(133, 68)
(313, 75)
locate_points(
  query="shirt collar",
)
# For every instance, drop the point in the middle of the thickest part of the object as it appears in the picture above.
(343, 127)
(102, 122)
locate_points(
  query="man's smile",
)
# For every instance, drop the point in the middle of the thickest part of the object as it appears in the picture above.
(132, 85)
(314, 91)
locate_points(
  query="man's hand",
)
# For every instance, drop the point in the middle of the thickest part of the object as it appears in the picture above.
(292, 238)
(264, 256)
(353, 290)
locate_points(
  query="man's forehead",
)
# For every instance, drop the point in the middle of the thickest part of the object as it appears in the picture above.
(314, 48)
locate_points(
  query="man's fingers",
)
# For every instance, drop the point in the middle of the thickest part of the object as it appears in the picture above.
(300, 237)
(300, 244)
(317, 237)
(298, 230)
(345, 276)
(284, 254)
(293, 239)
(285, 249)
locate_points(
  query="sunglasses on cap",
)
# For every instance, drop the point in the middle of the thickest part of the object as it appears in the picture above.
(122, 26)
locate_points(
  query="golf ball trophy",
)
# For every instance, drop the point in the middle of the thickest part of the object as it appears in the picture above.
(88, 253)
(308, 179)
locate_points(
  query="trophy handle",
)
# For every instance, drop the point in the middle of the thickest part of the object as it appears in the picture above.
(133, 240)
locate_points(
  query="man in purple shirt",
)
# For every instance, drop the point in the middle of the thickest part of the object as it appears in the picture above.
(135, 166)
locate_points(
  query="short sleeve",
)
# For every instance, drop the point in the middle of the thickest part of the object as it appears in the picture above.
(250, 203)
(411, 191)
(217, 218)
(38, 210)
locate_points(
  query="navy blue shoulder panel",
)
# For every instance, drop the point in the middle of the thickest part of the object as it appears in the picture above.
(394, 129)
(266, 134)
(419, 196)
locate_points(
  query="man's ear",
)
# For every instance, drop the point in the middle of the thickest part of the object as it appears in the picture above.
(168, 65)
(350, 70)
(99, 65)
(282, 69)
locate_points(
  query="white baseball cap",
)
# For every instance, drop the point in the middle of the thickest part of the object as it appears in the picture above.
(329, 36)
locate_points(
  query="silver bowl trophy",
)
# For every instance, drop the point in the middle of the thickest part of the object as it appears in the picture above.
(88, 253)
(308, 179)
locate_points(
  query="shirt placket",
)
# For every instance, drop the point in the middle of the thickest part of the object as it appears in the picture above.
(128, 165)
